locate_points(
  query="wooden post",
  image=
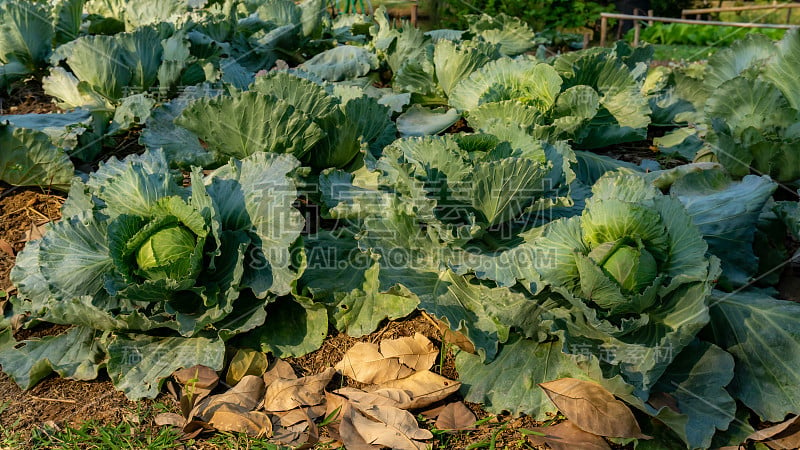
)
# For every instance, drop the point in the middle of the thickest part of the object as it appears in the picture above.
(637, 29)
(650, 14)
(788, 16)
(414, 7)
(603, 30)
(586, 39)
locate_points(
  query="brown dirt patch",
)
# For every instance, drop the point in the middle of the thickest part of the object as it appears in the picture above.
(124, 145)
(60, 401)
(27, 97)
(636, 152)
(21, 210)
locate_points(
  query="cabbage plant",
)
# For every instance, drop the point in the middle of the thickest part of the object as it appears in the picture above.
(593, 98)
(429, 65)
(28, 32)
(443, 224)
(153, 276)
(624, 293)
(632, 277)
(105, 69)
(37, 147)
(748, 107)
(281, 113)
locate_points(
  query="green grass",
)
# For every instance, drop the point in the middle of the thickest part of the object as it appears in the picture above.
(93, 435)
(683, 52)
(138, 434)
(8, 438)
(239, 441)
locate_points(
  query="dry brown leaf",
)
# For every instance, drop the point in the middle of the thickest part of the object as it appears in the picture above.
(433, 412)
(415, 352)
(175, 420)
(313, 436)
(592, 408)
(333, 403)
(567, 436)
(17, 320)
(283, 394)
(246, 361)
(785, 435)
(295, 428)
(402, 397)
(348, 433)
(395, 428)
(456, 338)
(456, 416)
(201, 377)
(426, 388)
(6, 247)
(659, 400)
(317, 411)
(197, 383)
(35, 232)
(174, 389)
(189, 401)
(230, 417)
(333, 414)
(279, 370)
(247, 394)
(194, 427)
(289, 437)
(286, 419)
(365, 364)
(382, 397)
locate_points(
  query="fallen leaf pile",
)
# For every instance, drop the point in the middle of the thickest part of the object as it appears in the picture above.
(273, 402)
(395, 378)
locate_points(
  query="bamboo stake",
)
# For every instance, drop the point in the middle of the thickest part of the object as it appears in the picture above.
(699, 11)
(695, 22)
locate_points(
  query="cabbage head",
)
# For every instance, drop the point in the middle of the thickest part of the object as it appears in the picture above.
(152, 275)
(631, 278)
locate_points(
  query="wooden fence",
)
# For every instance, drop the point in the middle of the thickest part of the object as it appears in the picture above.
(637, 24)
(698, 12)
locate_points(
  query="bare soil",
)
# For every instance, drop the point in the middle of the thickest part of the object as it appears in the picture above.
(61, 401)
(22, 211)
(25, 98)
